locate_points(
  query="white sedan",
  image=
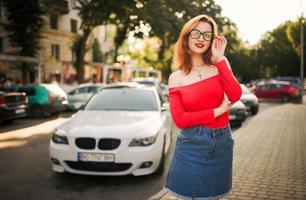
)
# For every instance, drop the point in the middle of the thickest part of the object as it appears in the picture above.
(123, 129)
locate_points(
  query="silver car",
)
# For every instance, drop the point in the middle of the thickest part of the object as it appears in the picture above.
(81, 94)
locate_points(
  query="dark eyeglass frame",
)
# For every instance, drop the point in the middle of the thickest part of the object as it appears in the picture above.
(203, 35)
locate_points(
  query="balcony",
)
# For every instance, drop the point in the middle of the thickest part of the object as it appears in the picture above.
(59, 7)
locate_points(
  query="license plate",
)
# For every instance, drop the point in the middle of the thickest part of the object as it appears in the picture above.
(96, 157)
(232, 117)
(19, 111)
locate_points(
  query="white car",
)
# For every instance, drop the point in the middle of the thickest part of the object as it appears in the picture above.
(238, 113)
(81, 94)
(123, 129)
(249, 100)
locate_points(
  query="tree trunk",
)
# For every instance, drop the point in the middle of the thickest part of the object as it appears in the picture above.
(25, 73)
(80, 51)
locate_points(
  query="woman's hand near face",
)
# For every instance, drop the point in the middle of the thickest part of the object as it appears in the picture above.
(217, 48)
(225, 106)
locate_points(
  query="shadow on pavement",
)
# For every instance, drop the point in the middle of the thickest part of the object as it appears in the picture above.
(28, 122)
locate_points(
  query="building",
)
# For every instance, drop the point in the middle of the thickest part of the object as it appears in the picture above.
(62, 26)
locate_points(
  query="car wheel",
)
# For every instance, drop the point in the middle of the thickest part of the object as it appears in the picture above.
(286, 98)
(37, 111)
(161, 167)
(254, 111)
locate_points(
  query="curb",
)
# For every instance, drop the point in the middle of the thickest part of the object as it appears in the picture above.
(159, 195)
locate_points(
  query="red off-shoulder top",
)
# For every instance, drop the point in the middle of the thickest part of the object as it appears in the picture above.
(194, 104)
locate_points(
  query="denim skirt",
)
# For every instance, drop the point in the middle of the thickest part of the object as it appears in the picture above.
(201, 167)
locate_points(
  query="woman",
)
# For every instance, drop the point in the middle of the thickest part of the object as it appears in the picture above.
(200, 94)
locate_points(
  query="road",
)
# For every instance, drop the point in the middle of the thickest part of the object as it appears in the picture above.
(25, 172)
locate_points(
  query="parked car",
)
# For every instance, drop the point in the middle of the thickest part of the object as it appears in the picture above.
(238, 113)
(81, 94)
(147, 81)
(295, 82)
(281, 90)
(123, 129)
(151, 81)
(13, 105)
(44, 99)
(249, 100)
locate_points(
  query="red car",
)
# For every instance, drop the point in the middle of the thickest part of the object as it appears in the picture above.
(276, 90)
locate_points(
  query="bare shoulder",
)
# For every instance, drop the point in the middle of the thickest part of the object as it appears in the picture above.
(175, 79)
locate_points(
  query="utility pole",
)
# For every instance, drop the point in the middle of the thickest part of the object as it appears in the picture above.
(302, 45)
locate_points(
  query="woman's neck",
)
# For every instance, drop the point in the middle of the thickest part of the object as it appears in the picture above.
(197, 60)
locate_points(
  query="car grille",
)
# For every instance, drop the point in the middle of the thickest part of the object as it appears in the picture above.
(14, 101)
(103, 144)
(108, 144)
(99, 166)
(85, 143)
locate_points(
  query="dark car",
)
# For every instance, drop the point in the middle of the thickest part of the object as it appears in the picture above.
(281, 90)
(13, 105)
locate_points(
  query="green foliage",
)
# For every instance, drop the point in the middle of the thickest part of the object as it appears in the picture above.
(97, 55)
(278, 52)
(24, 24)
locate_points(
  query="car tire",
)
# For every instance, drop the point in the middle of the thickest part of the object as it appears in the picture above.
(37, 111)
(254, 111)
(161, 167)
(286, 98)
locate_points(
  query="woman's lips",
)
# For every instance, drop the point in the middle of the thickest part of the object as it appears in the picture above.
(199, 45)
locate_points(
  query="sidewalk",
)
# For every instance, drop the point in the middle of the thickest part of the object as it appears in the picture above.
(269, 156)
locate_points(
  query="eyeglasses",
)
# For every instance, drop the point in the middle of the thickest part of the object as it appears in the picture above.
(195, 34)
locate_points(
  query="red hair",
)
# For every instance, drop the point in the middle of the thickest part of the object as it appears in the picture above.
(182, 59)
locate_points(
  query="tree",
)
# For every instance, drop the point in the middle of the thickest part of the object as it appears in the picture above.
(24, 24)
(278, 52)
(94, 13)
(96, 52)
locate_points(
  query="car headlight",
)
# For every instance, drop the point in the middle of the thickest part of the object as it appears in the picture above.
(143, 141)
(59, 138)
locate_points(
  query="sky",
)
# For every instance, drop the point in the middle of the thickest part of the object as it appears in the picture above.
(255, 17)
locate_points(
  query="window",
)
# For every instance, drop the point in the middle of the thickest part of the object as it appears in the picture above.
(55, 51)
(73, 3)
(74, 26)
(53, 22)
(1, 45)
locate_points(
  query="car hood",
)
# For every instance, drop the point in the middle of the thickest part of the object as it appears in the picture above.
(238, 105)
(248, 97)
(120, 124)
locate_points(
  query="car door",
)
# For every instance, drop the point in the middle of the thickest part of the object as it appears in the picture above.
(260, 91)
(275, 91)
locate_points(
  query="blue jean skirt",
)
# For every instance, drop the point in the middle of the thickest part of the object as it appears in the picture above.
(201, 167)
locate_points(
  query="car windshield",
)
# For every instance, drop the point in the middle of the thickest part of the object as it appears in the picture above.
(245, 90)
(130, 99)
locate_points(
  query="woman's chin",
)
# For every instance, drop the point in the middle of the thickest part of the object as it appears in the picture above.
(198, 51)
